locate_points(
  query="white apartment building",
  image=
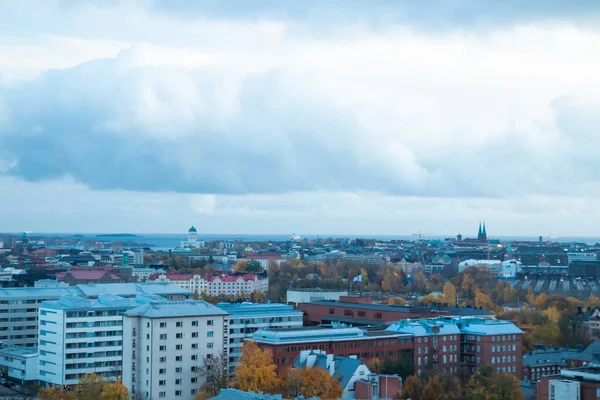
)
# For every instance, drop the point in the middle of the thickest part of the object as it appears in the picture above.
(144, 273)
(79, 336)
(164, 344)
(247, 318)
(297, 296)
(216, 284)
(19, 307)
(19, 363)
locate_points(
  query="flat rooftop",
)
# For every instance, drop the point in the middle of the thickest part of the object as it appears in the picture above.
(17, 351)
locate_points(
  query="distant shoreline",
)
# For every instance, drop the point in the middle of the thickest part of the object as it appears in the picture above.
(118, 235)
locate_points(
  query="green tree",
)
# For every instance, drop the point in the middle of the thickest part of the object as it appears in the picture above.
(254, 267)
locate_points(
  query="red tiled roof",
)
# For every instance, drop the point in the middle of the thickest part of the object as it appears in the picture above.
(232, 278)
(172, 276)
(208, 277)
(87, 275)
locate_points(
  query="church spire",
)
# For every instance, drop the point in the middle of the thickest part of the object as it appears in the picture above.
(479, 232)
(484, 232)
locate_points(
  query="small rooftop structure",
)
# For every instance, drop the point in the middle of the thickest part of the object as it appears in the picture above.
(455, 325)
(235, 394)
(277, 336)
(248, 308)
(173, 309)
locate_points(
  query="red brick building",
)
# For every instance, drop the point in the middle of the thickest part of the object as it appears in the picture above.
(462, 345)
(377, 387)
(580, 384)
(549, 360)
(286, 344)
(362, 311)
(451, 344)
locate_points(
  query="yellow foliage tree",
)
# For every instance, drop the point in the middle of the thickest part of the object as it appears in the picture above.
(375, 365)
(55, 394)
(553, 314)
(450, 293)
(90, 387)
(548, 333)
(240, 266)
(413, 388)
(316, 382)
(431, 299)
(114, 391)
(541, 299)
(396, 301)
(484, 301)
(256, 371)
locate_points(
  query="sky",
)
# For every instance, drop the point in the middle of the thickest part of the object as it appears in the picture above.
(337, 117)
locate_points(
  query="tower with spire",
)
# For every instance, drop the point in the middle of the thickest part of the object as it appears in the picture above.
(482, 234)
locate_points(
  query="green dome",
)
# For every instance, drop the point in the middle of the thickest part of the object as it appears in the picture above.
(192, 229)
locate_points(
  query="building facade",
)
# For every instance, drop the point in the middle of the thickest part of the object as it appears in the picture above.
(265, 259)
(79, 336)
(297, 296)
(247, 318)
(19, 307)
(286, 344)
(20, 363)
(165, 344)
(575, 384)
(465, 344)
(216, 284)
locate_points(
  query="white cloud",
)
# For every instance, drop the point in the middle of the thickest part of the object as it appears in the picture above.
(130, 99)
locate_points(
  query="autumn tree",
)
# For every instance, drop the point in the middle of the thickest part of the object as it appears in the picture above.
(483, 300)
(432, 299)
(433, 389)
(55, 394)
(419, 283)
(488, 384)
(258, 297)
(254, 267)
(541, 300)
(215, 371)
(450, 293)
(90, 387)
(396, 301)
(240, 266)
(553, 314)
(114, 391)
(547, 333)
(313, 382)
(255, 371)
(413, 388)
(375, 365)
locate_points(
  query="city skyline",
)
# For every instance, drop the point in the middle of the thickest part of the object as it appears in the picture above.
(281, 117)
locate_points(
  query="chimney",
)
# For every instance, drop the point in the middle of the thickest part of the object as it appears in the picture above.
(579, 310)
(579, 347)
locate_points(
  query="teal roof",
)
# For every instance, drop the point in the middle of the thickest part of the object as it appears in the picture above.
(172, 309)
(192, 229)
(235, 394)
(252, 309)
